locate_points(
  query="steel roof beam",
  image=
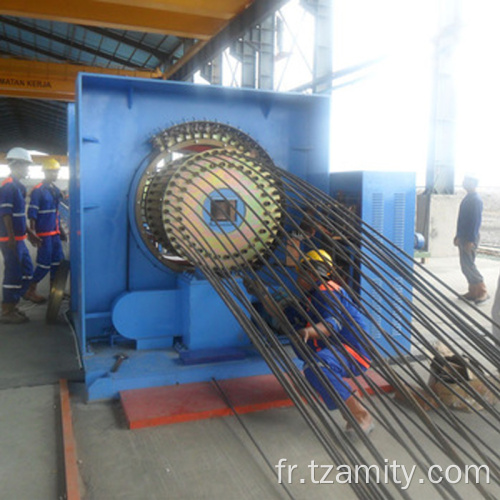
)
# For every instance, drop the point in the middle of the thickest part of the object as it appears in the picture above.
(32, 131)
(52, 81)
(122, 16)
(35, 120)
(40, 106)
(64, 41)
(203, 52)
(127, 41)
(220, 9)
(31, 48)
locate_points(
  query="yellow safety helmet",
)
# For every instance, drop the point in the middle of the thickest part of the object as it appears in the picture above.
(320, 260)
(50, 164)
(319, 256)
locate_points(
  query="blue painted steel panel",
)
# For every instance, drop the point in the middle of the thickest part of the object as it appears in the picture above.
(77, 305)
(148, 314)
(216, 326)
(386, 201)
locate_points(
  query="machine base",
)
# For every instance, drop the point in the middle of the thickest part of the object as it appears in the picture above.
(139, 369)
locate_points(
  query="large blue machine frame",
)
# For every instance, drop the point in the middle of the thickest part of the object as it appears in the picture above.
(117, 286)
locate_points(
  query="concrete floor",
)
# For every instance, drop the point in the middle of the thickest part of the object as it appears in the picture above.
(212, 459)
(33, 357)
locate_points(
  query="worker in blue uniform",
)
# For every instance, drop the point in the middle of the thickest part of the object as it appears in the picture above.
(338, 351)
(43, 215)
(333, 313)
(13, 234)
(467, 240)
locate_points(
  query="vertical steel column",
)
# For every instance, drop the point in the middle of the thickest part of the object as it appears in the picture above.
(441, 158)
(212, 72)
(265, 33)
(247, 54)
(255, 51)
(322, 11)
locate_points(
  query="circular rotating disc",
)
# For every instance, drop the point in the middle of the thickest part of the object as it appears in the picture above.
(208, 196)
(244, 227)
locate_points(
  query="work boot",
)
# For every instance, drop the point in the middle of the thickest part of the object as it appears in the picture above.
(10, 314)
(33, 296)
(470, 295)
(21, 313)
(481, 294)
(360, 414)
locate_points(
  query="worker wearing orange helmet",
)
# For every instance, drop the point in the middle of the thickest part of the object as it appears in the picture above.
(43, 215)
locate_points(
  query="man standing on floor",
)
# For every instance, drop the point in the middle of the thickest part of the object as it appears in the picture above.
(467, 240)
(13, 233)
(43, 215)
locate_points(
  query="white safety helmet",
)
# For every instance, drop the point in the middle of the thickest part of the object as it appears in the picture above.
(19, 154)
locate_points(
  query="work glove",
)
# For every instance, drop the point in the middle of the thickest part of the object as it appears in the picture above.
(254, 287)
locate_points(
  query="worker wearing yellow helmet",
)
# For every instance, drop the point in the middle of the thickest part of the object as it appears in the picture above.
(332, 332)
(330, 324)
(43, 215)
(320, 260)
(51, 164)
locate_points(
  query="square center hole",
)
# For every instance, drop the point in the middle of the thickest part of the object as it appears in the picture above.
(223, 210)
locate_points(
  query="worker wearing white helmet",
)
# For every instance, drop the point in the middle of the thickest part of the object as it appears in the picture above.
(43, 215)
(13, 235)
(19, 155)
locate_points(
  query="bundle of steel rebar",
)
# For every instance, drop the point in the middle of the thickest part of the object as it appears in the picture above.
(414, 314)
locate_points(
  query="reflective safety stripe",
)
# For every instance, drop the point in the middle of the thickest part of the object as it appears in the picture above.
(17, 238)
(360, 359)
(6, 205)
(20, 214)
(48, 233)
(12, 286)
(42, 266)
(330, 285)
(51, 211)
